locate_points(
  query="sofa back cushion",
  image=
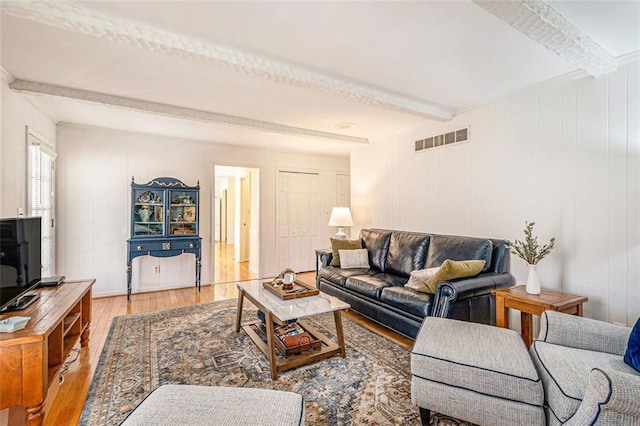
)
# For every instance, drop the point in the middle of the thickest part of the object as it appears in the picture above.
(376, 241)
(501, 256)
(443, 247)
(407, 252)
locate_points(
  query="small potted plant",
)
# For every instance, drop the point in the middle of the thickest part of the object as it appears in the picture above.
(529, 251)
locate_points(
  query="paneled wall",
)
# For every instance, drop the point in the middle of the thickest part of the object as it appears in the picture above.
(566, 156)
(17, 113)
(95, 167)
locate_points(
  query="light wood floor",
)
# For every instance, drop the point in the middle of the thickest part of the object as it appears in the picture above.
(228, 270)
(67, 407)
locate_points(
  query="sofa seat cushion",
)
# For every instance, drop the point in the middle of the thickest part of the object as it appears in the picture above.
(376, 241)
(372, 285)
(408, 300)
(339, 276)
(407, 252)
(565, 372)
(442, 248)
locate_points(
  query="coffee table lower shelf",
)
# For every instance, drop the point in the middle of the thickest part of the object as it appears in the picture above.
(283, 363)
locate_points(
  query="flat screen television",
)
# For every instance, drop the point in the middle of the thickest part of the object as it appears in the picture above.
(20, 261)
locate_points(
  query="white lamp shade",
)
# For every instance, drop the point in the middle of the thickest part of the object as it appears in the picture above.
(340, 216)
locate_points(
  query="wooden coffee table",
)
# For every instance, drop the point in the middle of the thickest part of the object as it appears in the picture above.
(533, 304)
(280, 311)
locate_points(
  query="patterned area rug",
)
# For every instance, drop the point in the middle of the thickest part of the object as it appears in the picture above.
(197, 345)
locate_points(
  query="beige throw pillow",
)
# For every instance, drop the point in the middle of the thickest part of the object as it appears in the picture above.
(450, 270)
(351, 259)
(342, 245)
(420, 276)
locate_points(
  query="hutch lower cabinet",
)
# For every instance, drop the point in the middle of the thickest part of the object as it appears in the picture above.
(164, 222)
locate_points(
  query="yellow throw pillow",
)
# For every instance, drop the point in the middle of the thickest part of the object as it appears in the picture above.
(450, 270)
(342, 245)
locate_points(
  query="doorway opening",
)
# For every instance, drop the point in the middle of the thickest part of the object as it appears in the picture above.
(236, 224)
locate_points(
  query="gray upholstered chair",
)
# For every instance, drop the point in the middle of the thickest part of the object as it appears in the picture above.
(585, 379)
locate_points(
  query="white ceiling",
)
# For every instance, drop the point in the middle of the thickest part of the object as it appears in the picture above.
(284, 74)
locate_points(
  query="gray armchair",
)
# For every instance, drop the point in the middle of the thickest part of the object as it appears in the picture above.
(585, 379)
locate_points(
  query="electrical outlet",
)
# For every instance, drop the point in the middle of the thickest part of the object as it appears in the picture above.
(156, 269)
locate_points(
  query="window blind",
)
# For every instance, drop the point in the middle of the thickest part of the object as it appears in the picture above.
(42, 198)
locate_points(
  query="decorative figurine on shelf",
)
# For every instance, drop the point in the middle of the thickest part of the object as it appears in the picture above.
(144, 214)
(145, 197)
(529, 251)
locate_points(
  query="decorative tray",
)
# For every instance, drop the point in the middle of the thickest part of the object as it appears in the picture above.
(299, 289)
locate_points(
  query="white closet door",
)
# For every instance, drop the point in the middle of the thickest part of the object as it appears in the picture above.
(282, 214)
(343, 190)
(298, 213)
(315, 215)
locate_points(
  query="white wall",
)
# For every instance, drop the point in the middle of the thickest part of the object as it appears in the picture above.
(95, 166)
(17, 113)
(254, 230)
(565, 156)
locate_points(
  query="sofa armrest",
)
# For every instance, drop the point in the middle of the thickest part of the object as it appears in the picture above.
(611, 397)
(449, 292)
(583, 333)
(324, 257)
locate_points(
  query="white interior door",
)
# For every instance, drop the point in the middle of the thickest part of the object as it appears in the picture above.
(223, 216)
(299, 220)
(298, 215)
(282, 215)
(245, 218)
(216, 216)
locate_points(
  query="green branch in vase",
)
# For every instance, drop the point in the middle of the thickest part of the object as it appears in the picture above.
(529, 250)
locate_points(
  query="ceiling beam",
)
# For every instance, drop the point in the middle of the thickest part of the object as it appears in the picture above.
(30, 87)
(83, 21)
(541, 23)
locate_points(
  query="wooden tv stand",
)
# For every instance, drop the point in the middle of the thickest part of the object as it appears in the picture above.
(31, 358)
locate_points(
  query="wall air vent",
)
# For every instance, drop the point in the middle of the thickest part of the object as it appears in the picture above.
(461, 135)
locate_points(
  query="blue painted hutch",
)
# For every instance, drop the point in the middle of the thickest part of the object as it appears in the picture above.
(164, 222)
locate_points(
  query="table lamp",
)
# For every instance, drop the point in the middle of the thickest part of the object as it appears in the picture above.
(340, 217)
